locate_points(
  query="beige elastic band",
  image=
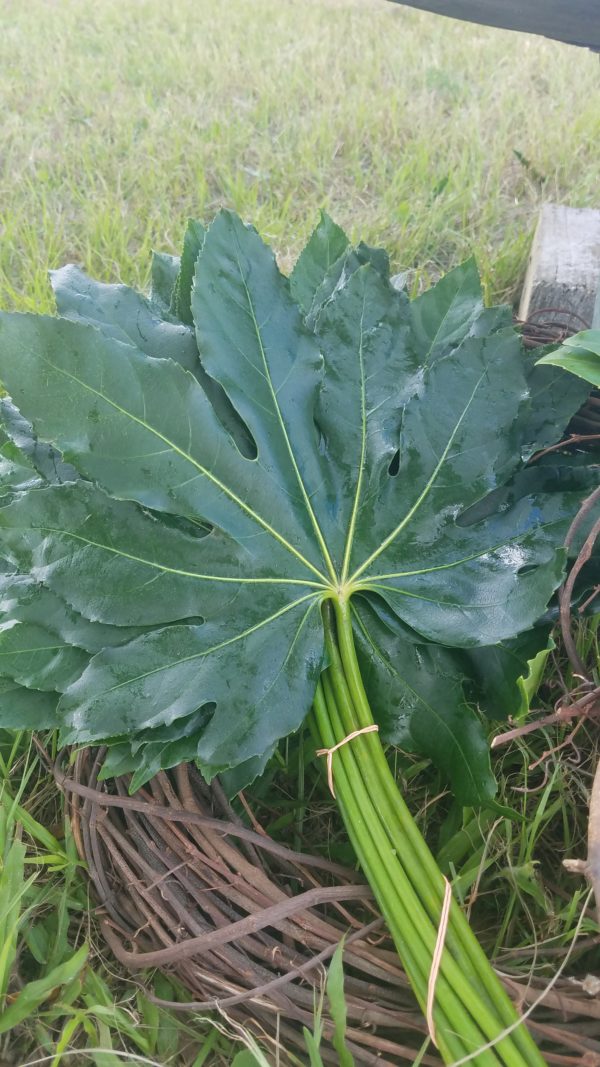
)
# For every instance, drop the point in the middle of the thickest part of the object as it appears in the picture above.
(329, 751)
(437, 959)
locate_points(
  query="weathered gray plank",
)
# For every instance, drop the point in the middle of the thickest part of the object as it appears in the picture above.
(564, 268)
(572, 21)
(596, 315)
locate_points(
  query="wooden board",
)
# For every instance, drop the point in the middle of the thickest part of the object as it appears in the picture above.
(572, 21)
(596, 316)
(564, 268)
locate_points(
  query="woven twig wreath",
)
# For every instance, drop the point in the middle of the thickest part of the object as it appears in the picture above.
(248, 926)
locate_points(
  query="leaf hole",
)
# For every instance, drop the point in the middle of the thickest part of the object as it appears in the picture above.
(394, 466)
(227, 415)
(191, 527)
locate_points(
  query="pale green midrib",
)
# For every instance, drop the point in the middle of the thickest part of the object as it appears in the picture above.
(305, 496)
(443, 321)
(40, 648)
(214, 648)
(176, 570)
(215, 757)
(431, 600)
(363, 449)
(423, 496)
(288, 654)
(190, 459)
(457, 562)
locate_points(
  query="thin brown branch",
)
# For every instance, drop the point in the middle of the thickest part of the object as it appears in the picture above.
(572, 439)
(583, 706)
(565, 595)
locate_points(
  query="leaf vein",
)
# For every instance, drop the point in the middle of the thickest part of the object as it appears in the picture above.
(190, 459)
(425, 493)
(214, 648)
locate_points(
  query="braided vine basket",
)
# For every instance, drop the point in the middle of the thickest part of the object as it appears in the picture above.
(248, 926)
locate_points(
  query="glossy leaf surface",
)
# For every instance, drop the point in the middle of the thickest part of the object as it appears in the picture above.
(235, 452)
(579, 354)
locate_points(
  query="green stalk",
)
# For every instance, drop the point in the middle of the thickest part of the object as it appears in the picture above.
(471, 1006)
(460, 940)
(386, 877)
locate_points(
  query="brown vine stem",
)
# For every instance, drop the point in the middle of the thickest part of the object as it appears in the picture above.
(566, 590)
(591, 866)
(572, 439)
(583, 706)
(157, 811)
(587, 704)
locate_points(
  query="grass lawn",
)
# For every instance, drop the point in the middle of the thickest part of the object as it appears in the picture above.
(121, 118)
(430, 137)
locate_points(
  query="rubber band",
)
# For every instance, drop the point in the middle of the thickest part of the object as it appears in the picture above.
(437, 959)
(329, 751)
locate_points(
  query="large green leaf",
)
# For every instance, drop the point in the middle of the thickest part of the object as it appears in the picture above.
(122, 313)
(36, 454)
(234, 478)
(26, 709)
(579, 354)
(181, 301)
(444, 315)
(326, 247)
(164, 272)
(420, 691)
(387, 459)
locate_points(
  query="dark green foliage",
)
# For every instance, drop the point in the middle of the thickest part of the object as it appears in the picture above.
(210, 465)
(580, 355)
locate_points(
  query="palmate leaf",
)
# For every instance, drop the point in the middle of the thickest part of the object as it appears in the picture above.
(236, 476)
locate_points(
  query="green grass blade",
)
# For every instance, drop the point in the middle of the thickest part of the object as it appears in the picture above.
(337, 1006)
(35, 993)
